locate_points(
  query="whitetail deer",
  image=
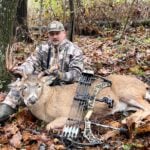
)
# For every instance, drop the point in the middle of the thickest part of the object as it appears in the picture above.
(52, 103)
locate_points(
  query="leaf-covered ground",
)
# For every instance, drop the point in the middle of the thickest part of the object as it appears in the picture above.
(106, 54)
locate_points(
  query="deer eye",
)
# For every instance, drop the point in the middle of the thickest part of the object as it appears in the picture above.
(24, 90)
(38, 86)
(23, 87)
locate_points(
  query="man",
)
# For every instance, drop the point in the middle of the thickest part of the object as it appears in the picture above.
(58, 56)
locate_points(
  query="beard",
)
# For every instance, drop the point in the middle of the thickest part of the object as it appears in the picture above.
(55, 43)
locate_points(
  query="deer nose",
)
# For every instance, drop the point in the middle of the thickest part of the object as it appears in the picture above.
(32, 100)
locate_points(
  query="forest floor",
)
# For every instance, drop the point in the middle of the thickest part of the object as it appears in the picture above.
(106, 54)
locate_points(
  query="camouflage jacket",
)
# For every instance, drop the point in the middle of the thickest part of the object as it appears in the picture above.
(69, 58)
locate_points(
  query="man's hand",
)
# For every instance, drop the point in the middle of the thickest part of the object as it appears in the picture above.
(54, 68)
(17, 71)
(48, 80)
(53, 71)
(50, 71)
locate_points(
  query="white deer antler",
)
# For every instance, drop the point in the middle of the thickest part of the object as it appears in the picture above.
(10, 60)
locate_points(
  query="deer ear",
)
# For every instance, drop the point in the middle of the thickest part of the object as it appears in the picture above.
(18, 84)
(14, 84)
(47, 80)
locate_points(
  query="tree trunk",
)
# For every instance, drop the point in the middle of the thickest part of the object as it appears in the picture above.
(21, 32)
(71, 30)
(21, 15)
(7, 15)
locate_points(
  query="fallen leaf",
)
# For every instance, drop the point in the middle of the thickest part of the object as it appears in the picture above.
(2, 96)
(16, 140)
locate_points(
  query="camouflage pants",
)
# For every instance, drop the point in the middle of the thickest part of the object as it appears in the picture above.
(13, 98)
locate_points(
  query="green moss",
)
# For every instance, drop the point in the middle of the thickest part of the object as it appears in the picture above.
(146, 41)
(127, 146)
(137, 70)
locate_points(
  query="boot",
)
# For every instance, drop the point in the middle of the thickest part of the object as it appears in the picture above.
(5, 111)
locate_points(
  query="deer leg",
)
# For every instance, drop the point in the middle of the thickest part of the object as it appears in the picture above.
(134, 121)
(141, 104)
(57, 123)
(136, 117)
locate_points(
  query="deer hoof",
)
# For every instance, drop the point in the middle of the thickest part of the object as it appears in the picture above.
(49, 127)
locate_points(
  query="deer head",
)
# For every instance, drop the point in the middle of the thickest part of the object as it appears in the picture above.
(31, 87)
(31, 90)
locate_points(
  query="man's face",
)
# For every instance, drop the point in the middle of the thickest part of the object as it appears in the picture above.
(56, 37)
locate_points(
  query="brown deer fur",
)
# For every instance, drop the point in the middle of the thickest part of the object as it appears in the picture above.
(53, 103)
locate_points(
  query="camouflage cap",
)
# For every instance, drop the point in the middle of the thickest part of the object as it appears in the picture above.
(55, 26)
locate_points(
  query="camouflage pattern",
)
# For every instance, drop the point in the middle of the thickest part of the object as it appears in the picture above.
(67, 55)
(55, 26)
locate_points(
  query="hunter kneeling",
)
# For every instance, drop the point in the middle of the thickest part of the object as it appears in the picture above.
(58, 56)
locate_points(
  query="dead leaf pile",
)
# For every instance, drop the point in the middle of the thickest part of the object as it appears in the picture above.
(106, 55)
(23, 131)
